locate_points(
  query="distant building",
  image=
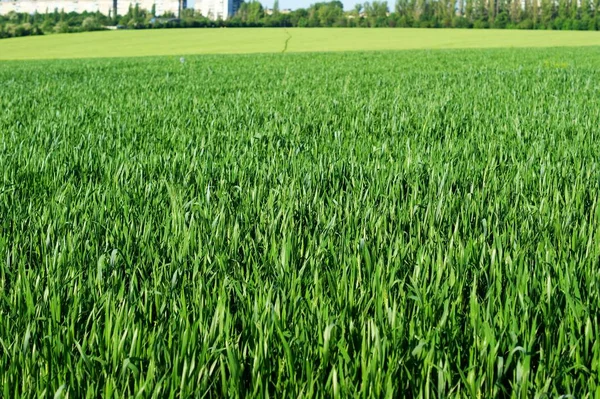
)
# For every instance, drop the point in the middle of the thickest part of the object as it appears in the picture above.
(79, 6)
(270, 11)
(217, 9)
(285, 11)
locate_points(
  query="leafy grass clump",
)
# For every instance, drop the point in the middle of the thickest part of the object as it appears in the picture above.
(373, 225)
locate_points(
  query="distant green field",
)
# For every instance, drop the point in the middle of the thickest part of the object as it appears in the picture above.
(227, 41)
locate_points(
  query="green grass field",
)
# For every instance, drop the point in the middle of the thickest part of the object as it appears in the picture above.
(375, 225)
(221, 41)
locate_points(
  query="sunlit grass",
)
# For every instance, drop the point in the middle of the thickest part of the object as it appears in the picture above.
(371, 225)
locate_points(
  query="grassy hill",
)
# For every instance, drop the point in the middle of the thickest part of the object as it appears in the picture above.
(227, 41)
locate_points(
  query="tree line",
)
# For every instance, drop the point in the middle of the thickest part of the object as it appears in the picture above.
(477, 14)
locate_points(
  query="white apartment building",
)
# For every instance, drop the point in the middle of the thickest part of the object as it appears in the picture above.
(162, 6)
(217, 9)
(103, 6)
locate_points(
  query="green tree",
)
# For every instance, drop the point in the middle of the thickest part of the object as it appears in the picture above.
(447, 12)
(516, 12)
(61, 27)
(547, 13)
(491, 10)
(574, 9)
(376, 13)
(326, 14)
(461, 7)
(90, 24)
(402, 7)
(251, 12)
(469, 6)
(563, 8)
(421, 10)
(480, 12)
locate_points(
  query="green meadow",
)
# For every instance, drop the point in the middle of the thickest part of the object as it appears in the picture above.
(265, 40)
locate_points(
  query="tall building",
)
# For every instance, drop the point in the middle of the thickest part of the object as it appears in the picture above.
(217, 9)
